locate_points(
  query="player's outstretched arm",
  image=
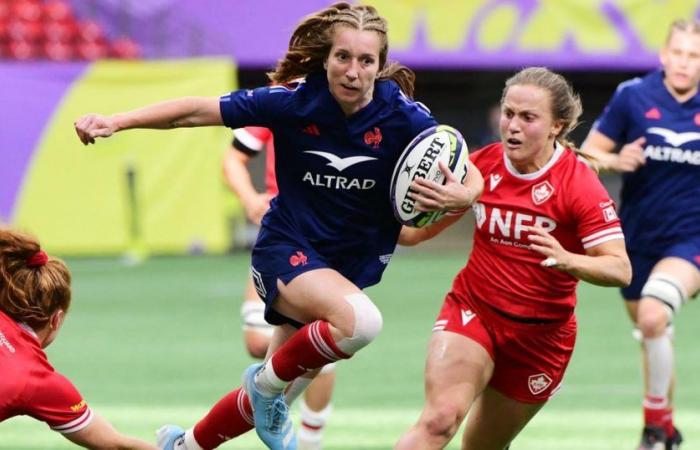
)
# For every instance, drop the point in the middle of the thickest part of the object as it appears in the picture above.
(606, 264)
(177, 113)
(101, 435)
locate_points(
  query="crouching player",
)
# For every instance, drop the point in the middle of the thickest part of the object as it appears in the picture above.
(34, 298)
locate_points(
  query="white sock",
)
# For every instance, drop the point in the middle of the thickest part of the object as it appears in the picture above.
(190, 442)
(659, 351)
(295, 389)
(312, 425)
(268, 382)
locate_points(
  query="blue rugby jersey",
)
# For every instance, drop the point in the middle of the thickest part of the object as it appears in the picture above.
(333, 171)
(661, 200)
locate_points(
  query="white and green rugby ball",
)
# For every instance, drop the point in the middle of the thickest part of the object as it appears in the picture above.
(420, 159)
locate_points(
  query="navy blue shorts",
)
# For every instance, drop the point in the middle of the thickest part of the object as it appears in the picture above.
(285, 256)
(642, 264)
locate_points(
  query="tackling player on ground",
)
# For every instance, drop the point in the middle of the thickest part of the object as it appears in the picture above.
(506, 331)
(655, 123)
(331, 230)
(248, 143)
(35, 295)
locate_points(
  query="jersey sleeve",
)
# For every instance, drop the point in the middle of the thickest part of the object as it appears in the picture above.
(593, 210)
(265, 106)
(614, 121)
(250, 140)
(53, 399)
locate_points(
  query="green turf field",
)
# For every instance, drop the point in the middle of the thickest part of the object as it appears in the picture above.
(160, 343)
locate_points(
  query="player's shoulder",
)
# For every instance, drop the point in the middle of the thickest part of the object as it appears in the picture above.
(573, 166)
(640, 85)
(487, 154)
(390, 94)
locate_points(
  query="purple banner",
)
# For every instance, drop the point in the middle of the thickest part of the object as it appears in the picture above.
(31, 93)
(585, 34)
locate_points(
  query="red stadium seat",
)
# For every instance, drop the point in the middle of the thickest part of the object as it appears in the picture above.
(22, 30)
(125, 48)
(23, 50)
(57, 10)
(28, 10)
(60, 31)
(90, 31)
(92, 50)
(59, 51)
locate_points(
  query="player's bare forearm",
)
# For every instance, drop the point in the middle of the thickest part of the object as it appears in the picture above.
(177, 113)
(606, 270)
(410, 236)
(182, 112)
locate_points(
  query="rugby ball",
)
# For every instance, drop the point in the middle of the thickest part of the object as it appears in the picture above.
(420, 159)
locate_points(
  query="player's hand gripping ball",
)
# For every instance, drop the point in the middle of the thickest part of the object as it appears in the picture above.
(420, 159)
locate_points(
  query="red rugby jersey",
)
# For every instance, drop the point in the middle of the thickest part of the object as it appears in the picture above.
(566, 198)
(29, 385)
(255, 139)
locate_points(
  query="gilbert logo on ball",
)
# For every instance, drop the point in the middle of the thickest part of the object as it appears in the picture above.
(420, 159)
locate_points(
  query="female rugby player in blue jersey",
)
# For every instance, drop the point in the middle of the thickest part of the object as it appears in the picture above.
(331, 231)
(655, 120)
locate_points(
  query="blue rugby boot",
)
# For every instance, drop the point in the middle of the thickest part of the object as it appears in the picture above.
(271, 414)
(170, 437)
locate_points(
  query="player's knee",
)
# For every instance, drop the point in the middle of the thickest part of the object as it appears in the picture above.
(670, 295)
(256, 330)
(368, 323)
(257, 346)
(442, 422)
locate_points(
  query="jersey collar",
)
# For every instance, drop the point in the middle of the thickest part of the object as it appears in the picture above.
(558, 151)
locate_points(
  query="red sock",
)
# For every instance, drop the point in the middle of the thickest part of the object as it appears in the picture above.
(230, 417)
(668, 422)
(309, 348)
(655, 411)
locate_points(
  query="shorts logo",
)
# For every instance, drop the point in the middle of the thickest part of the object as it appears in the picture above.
(298, 258)
(697, 119)
(384, 259)
(467, 316)
(258, 283)
(538, 383)
(541, 192)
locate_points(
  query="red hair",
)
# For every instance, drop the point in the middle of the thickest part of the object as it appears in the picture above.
(32, 285)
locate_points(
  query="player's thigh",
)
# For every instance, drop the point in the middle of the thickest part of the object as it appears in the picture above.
(632, 306)
(495, 420)
(319, 294)
(682, 270)
(457, 370)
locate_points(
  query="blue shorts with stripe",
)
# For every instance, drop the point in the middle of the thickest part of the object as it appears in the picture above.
(642, 264)
(285, 256)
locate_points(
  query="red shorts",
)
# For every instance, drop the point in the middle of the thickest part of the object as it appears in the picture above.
(530, 359)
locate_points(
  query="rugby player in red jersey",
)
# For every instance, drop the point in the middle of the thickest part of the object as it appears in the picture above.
(507, 328)
(35, 295)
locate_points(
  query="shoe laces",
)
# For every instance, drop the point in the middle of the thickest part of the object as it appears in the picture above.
(277, 415)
